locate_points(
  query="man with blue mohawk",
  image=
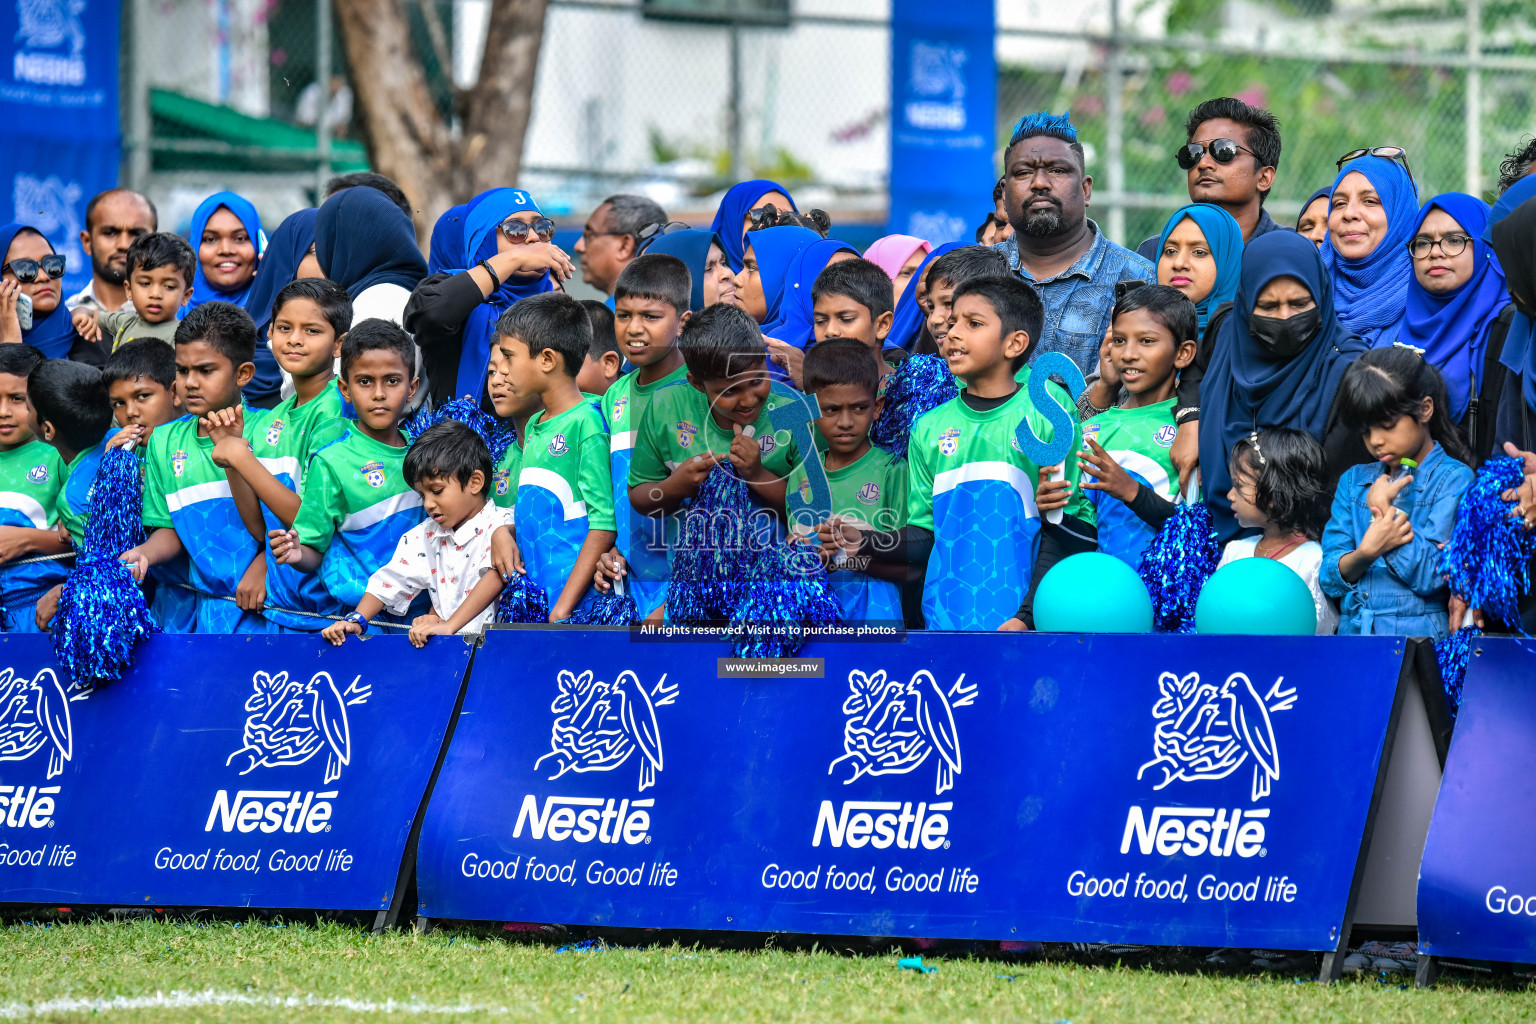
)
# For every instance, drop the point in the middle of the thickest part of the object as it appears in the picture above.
(1055, 247)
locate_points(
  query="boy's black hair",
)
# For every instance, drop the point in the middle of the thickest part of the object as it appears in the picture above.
(370, 179)
(142, 357)
(450, 449)
(376, 335)
(223, 325)
(19, 360)
(1517, 164)
(1290, 478)
(334, 302)
(1386, 383)
(1262, 128)
(841, 361)
(1168, 306)
(603, 337)
(860, 280)
(659, 277)
(73, 397)
(722, 342)
(967, 263)
(162, 249)
(1016, 304)
(552, 320)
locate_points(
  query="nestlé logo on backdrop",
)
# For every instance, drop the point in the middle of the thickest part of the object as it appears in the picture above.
(289, 722)
(891, 729)
(34, 715)
(597, 726)
(1206, 732)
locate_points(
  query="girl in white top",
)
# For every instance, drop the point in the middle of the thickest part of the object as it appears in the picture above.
(1277, 487)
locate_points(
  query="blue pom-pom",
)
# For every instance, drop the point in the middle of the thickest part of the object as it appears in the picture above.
(522, 600)
(918, 385)
(1176, 565)
(1452, 654)
(715, 551)
(102, 614)
(610, 609)
(1487, 559)
(787, 595)
(497, 434)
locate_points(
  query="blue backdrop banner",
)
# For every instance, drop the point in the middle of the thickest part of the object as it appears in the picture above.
(943, 117)
(1477, 882)
(1160, 789)
(221, 771)
(58, 101)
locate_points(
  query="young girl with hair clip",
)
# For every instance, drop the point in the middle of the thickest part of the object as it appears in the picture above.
(1381, 547)
(1277, 486)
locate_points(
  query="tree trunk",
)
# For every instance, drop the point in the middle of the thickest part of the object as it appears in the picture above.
(408, 139)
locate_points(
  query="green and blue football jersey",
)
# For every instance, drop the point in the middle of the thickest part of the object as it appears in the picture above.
(185, 491)
(972, 486)
(75, 495)
(31, 476)
(504, 475)
(1141, 441)
(642, 539)
(564, 491)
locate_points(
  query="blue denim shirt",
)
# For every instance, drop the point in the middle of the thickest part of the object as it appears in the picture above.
(1402, 593)
(1079, 300)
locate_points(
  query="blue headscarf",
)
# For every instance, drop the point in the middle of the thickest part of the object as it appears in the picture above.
(907, 324)
(447, 245)
(1246, 388)
(1372, 293)
(796, 323)
(692, 247)
(202, 290)
(286, 249)
(1453, 329)
(775, 249)
(53, 335)
(736, 204)
(363, 239)
(1225, 239)
(1512, 243)
(482, 219)
(1322, 193)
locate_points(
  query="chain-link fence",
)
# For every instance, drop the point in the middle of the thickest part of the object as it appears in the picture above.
(678, 98)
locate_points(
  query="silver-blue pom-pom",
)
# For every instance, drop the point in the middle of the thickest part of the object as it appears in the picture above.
(522, 600)
(714, 553)
(497, 434)
(918, 385)
(610, 609)
(786, 597)
(1176, 565)
(1452, 653)
(1487, 559)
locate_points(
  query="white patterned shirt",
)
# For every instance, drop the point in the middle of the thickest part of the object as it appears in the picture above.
(445, 563)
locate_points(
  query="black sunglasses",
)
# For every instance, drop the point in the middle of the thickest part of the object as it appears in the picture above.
(26, 270)
(517, 230)
(650, 232)
(1223, 151)
(1385, 152)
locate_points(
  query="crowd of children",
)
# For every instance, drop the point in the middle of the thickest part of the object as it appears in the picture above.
(325, 514)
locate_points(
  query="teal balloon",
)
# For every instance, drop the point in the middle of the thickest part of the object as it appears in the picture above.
(1092, 593)
(1256, 597)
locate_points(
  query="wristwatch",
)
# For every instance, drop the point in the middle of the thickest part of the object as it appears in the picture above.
(356, 617)
(485, 265)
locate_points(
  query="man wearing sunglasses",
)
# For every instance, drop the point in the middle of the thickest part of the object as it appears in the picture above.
(114, 219)
(611, 238)
(1229, 158)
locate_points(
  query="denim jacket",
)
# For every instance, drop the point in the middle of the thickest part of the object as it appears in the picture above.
(1402, 593)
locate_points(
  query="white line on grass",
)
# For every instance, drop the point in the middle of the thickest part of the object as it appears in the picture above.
(179, 1000)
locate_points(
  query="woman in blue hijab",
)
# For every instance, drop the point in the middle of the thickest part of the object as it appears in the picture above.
(286, 249)
(51, 332)
(1269, 371)
(735, 208)
(226, 235)
(1373, 213)
(692, 247)
(909, 327)
(765, 269)
(447, 240)
(1312, 221)
(796, 322)
(363, 240)
(1455, 307)
(1206, 257)
(506, 256)
(1512, 234)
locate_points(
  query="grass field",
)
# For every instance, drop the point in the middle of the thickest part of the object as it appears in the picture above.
(256, 971)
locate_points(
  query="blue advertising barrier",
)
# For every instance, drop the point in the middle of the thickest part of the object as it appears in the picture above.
(1154, 789)
(58, 102)
(221, 771)
(943, 117)
(1477, 882)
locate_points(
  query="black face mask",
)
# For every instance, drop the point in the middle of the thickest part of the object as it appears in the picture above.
(1286, 338)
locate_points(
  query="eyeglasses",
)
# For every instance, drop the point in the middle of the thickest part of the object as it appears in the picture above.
(1452, 245)
(26, 270)
(650, 232)
(1223, 151)
(517, 230)
(1385, 152)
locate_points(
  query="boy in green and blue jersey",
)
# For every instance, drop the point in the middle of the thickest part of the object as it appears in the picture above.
(31, 474)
